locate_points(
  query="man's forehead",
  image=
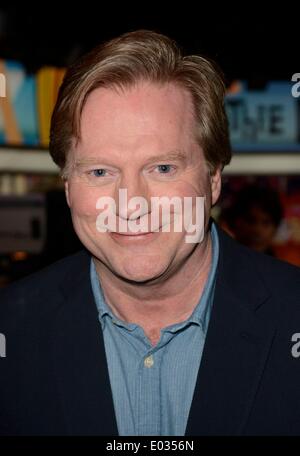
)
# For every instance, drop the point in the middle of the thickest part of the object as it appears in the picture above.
(168, 98)
(154, 130)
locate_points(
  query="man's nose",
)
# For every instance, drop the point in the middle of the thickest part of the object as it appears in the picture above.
(132, 196)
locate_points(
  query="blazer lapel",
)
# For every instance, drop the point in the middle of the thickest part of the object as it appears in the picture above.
(240, 333)
(79, 357)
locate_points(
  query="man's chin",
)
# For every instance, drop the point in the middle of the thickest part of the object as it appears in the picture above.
(141, 277)
(133, 267)
(140, 273)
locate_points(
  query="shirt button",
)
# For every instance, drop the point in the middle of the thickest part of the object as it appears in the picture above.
(149, 361)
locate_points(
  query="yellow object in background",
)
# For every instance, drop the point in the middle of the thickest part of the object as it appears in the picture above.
(48, 82)
(11, 128)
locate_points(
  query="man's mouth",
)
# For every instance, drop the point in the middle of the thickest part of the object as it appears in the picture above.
(139, 233)
(133, 237)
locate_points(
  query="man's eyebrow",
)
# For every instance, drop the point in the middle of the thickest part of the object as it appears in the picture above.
(176, 156)
(89, 161)
(171, 156)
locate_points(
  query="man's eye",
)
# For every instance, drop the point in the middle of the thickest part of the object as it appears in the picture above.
(98, 172)
(164, 169)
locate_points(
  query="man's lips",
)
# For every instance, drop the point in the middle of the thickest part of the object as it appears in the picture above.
(140, 237)
(139, 233)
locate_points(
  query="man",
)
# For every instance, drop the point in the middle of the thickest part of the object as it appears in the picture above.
(145, 333)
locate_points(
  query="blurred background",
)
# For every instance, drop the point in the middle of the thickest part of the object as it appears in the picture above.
(259, 54)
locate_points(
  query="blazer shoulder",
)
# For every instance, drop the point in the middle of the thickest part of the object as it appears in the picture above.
(277, 275)
(276, 271)
(40, 286)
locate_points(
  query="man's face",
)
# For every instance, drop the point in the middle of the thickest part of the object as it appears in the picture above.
(140, 139)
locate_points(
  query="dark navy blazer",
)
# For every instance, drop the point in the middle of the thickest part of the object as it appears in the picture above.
(54, 379)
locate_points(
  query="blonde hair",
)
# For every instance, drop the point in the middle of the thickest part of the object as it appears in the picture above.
(149, 56)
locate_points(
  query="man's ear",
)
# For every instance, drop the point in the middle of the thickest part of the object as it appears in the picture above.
(216, 184)
(67, 192)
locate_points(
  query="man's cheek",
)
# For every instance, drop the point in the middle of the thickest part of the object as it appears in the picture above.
(192, 188)
(84, 213)
(83, 203)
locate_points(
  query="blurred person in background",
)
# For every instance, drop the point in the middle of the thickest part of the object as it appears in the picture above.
(255, 216)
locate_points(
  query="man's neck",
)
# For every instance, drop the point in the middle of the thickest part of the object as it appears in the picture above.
(157, 305)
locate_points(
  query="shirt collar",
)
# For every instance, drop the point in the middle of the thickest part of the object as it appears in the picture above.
(103, 309)
(202, 311)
